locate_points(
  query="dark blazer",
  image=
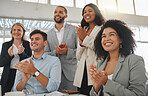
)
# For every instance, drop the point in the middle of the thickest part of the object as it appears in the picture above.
(5, 59)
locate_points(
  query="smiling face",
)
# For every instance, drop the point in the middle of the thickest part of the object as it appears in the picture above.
(17, 32)
(89, 14)
(110, 40)
(59, 15)
(37, 43)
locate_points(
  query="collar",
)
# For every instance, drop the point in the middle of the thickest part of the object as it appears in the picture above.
(42, 57)
(120, 61)
(56, 28)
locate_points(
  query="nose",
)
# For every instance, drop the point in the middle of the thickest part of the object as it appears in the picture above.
(107, 38)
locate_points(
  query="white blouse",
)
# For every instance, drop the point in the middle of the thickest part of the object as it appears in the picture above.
(16, 57)
(109, 77)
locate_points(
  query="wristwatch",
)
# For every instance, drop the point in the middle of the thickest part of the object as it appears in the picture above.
(37, 73)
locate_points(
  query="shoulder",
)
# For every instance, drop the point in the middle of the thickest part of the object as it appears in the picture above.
(134, 58)
(50, 29)
(70, 26)
(52, 59)
(7, 43)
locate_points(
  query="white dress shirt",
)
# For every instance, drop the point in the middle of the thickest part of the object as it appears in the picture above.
(59, 34)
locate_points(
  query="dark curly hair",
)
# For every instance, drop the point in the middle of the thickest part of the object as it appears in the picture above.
(99, 19)
(125, 34)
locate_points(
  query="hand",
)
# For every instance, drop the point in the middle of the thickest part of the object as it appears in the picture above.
(61, 49)
(26, 76)
(10, 51)
(26, 67)
(98, 77)
(62, 45)
(20, 49)
(81, 33)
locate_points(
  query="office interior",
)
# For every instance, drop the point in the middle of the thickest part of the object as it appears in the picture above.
(38, 14)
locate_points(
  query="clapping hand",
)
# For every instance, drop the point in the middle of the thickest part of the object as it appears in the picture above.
(61, 49)
(98, 77)
(81, 32)
(20, 49)
(25, 66)
(10, 51)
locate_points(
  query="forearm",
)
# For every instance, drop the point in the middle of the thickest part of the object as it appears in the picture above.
(43, 79)
(21, 85)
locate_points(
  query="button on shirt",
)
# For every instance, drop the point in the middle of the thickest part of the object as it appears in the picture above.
(49, 66)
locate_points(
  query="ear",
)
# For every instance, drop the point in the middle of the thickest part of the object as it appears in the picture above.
(45, 42)
(66, 16)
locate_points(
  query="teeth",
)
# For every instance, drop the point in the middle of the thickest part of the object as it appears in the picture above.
(34, 45)
(108, 43)
(88, 17)
(57, 17)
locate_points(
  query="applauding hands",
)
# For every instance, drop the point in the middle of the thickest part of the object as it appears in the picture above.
(98, 77)
(20, 50)
(61, 49)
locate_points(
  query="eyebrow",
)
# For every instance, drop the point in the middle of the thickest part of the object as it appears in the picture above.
(110, 33)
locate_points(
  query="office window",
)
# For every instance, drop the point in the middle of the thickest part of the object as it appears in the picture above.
(142, 51)
(107, 5)
(125, 6)
(141, 7)
(82, 3)
(136, 31)
(15, 0)
(144, 33)
(91, 1)
(36, 1)
(62, 2)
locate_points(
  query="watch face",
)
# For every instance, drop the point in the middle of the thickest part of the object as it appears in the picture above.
(37, 73)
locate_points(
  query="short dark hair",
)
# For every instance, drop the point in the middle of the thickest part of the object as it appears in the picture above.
(44, 35)
(125, 34)
(64, 8)
(99, 19)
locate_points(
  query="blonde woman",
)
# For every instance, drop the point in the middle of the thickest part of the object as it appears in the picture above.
(13, 51)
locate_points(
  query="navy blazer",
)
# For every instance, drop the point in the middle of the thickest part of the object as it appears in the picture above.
(5, 58)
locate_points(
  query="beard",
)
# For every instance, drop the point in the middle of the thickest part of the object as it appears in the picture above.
(60, 21)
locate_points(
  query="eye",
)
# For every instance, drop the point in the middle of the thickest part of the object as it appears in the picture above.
(55, 11)
(103, 36)
(19, 29)
(112, 34)
(61, 12)
(90, 11)
(31, 39)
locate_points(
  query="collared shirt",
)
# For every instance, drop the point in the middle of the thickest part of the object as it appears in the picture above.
(59, 34)
(49, 66)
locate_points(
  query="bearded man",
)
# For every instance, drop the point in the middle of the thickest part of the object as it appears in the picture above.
(62, 42)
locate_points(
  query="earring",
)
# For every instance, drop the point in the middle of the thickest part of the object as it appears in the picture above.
(120, 46)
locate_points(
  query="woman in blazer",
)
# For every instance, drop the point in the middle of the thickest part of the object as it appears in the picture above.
(13, 51)
(121, 72)
(90, 26)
